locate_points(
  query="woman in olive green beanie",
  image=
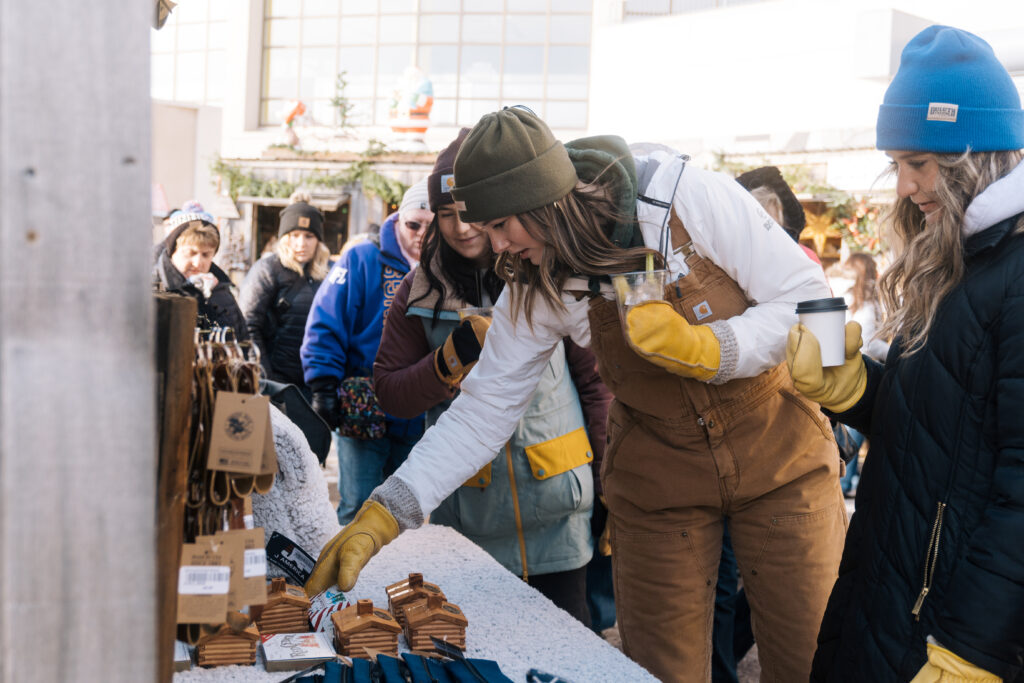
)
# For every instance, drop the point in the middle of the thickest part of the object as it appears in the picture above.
(705, 423)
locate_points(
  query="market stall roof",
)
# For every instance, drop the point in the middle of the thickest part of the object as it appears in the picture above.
(322, 202)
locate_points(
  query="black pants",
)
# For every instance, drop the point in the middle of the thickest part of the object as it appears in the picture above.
(568, 590)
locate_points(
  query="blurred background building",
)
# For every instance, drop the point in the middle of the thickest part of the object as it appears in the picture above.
(248, 102)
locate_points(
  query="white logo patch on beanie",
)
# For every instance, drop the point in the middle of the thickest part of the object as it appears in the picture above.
(942, 111)
(447, 183)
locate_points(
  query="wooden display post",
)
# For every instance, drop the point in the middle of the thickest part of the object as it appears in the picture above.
(175, 351)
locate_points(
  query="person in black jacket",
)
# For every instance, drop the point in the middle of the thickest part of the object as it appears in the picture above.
(278, 291)
(931, 584)
(184, 264)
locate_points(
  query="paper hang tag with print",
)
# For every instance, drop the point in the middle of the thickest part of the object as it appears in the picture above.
(239, 433)
(268, 462)
(247, 558)
(204, 579)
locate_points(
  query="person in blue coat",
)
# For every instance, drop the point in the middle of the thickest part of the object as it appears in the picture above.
(342, 334)
(931, 583)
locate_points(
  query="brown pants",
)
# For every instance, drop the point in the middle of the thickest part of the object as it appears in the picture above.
(767, 461)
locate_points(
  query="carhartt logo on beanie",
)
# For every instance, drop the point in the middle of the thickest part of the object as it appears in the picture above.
(301, 216)
(949, 95)
(510, 163)
(441, 179)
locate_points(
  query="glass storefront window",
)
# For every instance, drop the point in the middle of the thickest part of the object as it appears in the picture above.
(478, 54)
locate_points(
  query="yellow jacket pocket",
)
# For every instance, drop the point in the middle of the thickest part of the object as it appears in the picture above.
(481, 479)
(561, 454)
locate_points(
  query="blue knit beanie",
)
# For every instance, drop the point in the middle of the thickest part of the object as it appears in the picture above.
(950, 94)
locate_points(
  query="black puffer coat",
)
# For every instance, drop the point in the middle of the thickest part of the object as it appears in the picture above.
(944, 480)
(220, 309)
(276, 316)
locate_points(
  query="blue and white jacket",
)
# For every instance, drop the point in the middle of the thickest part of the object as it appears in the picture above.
(347, 318)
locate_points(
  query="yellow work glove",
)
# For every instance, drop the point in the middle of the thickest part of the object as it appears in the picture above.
(346, 554)
(946, 667)
(663, 337)
(456, 357)
(837, 388)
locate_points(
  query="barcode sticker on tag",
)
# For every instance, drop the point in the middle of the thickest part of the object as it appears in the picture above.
(255, 563)
(196, 580)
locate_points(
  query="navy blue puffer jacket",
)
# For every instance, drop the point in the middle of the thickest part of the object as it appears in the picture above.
(941, 499)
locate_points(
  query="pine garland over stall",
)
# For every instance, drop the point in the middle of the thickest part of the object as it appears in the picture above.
(361, 172)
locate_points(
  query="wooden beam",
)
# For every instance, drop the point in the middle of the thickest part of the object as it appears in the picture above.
(77, 391)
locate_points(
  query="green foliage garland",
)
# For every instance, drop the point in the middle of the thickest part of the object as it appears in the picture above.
(360, 172)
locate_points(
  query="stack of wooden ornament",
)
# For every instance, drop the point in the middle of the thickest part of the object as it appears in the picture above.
(286, 611)
(228, 646)
(409, 591)
(433, 616)
(360, 627)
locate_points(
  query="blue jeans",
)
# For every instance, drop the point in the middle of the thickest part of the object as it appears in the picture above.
(364, 465)
(846, 482)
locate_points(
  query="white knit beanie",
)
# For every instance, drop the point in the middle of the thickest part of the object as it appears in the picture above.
(416, 197)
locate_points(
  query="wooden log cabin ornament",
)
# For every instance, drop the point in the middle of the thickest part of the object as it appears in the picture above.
(286, 610)
(361, 627)
(408, 591)
(436, 617)
(227, 646)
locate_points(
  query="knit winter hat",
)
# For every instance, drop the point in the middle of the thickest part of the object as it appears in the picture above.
(949, 95)
(180, 222)
(771, 177)
(415, 198)
(510, 163)
(301, 216)
(442, 178)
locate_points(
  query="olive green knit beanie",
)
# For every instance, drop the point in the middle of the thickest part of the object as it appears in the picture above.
(510, 163)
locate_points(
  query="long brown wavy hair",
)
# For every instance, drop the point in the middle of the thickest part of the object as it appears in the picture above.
(574, 231)
(865, 284)
(930, 258)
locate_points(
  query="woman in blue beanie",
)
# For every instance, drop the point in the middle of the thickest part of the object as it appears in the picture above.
(931, 585)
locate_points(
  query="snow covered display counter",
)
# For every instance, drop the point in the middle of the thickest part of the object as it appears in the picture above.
(509, 621)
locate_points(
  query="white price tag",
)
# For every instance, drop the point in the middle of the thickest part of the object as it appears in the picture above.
(248, 521)
(255, 563)
(196, 580)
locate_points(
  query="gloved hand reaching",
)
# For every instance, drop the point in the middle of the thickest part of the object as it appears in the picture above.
(665, 338)
(944, 666)
(456, 357)
(325, 403)
(836, 388)
(347, 553)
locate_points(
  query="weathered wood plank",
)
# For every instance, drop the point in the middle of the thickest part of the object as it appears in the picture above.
(77, 391)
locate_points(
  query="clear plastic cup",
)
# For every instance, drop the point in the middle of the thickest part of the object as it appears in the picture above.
(632, 289)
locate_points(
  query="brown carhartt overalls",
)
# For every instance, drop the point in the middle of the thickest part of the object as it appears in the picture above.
(682, 455)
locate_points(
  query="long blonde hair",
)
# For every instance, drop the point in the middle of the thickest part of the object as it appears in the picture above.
(573, 232)
(930, 258)
(317, 265)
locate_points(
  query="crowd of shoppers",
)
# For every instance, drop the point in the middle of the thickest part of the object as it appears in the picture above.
(487, 310)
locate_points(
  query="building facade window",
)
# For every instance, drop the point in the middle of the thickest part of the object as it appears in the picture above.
(187, 54)
(478, 54)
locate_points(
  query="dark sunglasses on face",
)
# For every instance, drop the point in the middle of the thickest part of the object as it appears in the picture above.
(414, 226)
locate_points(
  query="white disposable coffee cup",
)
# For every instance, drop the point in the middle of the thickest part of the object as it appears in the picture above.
(826, 319)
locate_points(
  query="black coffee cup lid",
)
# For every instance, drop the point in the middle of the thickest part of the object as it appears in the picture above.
(821, 305)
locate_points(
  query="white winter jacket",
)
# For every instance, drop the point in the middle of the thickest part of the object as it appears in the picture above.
(726, 225)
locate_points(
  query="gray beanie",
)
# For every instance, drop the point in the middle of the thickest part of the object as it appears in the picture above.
(510, 163)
